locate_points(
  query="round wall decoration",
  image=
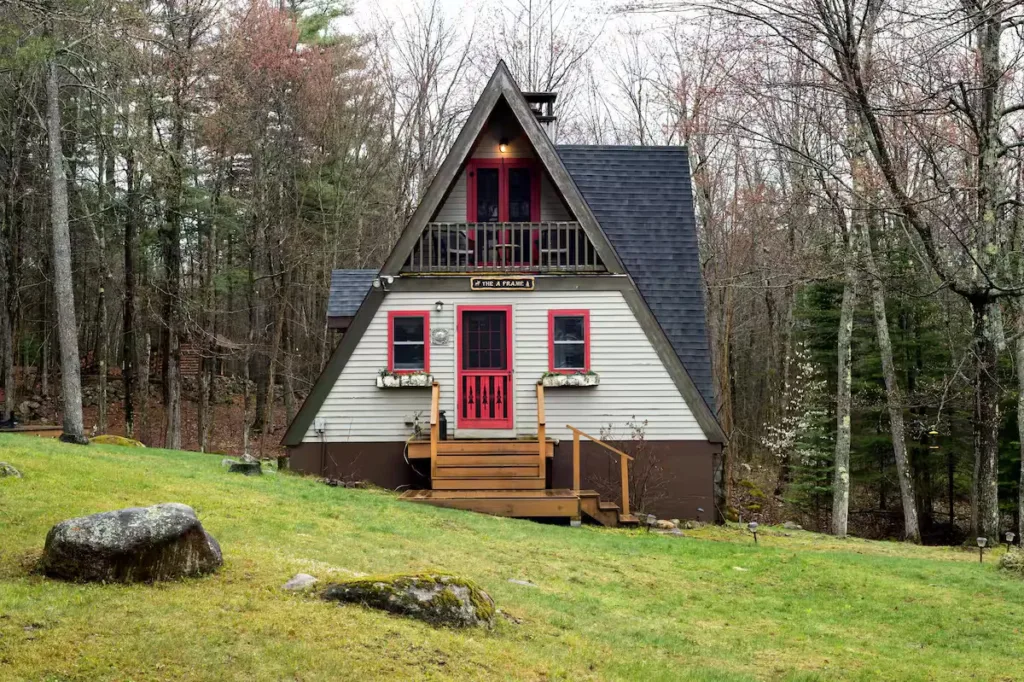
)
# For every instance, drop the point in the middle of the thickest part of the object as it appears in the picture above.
(439, 336)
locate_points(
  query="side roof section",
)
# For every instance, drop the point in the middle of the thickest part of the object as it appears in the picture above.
(348, 289)
(643, 198)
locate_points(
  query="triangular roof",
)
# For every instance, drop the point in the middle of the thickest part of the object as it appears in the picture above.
(501, 86)
(672, 352)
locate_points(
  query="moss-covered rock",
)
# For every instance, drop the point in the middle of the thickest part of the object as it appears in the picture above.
(110, 439)
(8, 471)
(1013, 562)
(437, 598)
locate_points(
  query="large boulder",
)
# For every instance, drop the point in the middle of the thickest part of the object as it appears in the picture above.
(436, 598)
(246, 468)
(138, 544)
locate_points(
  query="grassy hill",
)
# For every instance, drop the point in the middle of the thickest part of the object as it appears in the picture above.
(608, 604)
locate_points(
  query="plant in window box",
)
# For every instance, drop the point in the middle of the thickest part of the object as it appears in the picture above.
(575, 379)
(386, 379)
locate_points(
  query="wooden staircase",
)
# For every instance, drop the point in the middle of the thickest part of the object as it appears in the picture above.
(508, 477)
(490, 465)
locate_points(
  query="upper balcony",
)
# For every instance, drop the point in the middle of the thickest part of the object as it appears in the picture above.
(543, 247)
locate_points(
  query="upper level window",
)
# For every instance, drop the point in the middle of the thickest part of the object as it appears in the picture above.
(503, 191)
(569, 340)
(408, 345)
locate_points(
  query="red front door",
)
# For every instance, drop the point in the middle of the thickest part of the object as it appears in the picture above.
(485, 367)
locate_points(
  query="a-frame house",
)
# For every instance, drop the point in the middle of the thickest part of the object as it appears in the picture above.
(541, 297)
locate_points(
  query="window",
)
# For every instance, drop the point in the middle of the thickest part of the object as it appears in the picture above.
(503, 191)
(408, 342)
(569, 341)
(487, 191)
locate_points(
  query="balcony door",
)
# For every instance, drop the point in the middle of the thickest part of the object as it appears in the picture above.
(503, 191)
(484, 381)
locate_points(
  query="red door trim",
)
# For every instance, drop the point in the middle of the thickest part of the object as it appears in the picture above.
(503, 165)
(509, 394)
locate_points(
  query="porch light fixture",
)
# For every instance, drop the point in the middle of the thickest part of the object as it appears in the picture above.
(503, 145)
(981, 549)
(753, 529)
(439, 306)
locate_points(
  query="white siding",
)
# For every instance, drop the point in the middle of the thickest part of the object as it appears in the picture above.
(634, 382)
(453, 210)
(551, 205)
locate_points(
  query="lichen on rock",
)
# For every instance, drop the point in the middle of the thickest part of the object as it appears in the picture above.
(436, 598)
(138, 544)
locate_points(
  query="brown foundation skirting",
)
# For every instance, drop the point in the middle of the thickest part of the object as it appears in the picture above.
(669, 478)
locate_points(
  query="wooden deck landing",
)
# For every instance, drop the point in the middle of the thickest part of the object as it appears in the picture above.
(551, 503)
(41, 430)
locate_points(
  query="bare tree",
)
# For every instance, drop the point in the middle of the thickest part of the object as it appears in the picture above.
(64, 295)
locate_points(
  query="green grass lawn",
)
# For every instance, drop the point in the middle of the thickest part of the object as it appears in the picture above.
(608, 604)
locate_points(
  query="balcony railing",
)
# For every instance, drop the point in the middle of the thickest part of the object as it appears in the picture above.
(504, 247)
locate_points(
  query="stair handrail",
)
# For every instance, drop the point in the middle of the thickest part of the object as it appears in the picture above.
(542, 423)
(624, 461)
(435, 427)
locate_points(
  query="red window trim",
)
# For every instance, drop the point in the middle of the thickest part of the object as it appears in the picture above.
(503, 165)
(552, 314)
(392, 314)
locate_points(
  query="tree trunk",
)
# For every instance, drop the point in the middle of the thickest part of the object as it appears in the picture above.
(6, 318)
(894, 396)
(145, 362)
(129, 341)
(841, 480)
(986, 423)
(64, 295)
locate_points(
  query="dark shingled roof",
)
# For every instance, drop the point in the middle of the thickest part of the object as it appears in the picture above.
(643, 200)
(348, 289)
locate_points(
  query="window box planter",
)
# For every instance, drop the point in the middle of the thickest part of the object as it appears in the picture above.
(416, 380)
(567, 380)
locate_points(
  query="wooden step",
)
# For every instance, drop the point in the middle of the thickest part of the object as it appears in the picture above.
(420, 449)
(486, 460)
(486, 472)
(488, 483)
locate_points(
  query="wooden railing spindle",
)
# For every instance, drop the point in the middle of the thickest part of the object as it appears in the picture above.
(542, 422)
(435, 427)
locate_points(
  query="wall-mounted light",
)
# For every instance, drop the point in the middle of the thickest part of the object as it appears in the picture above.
(439, 306)
(503, 145)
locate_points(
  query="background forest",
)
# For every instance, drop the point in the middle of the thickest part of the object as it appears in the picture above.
(858, 178)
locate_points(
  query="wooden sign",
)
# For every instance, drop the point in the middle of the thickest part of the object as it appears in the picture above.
(501, 283)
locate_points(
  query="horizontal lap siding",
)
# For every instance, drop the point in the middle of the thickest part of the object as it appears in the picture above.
(453, 210)
(633, 381)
